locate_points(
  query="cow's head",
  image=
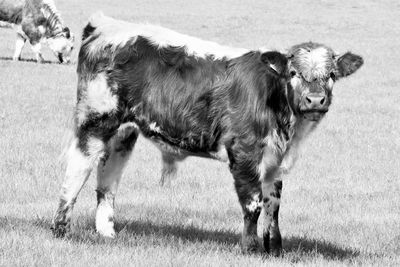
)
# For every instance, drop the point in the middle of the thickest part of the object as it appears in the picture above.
(313, 69)
(62, 45)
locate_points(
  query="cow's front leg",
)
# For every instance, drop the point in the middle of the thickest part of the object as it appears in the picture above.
(38, 53)
(19, 45)
(251, 201)
(248, 188)
(271, 200)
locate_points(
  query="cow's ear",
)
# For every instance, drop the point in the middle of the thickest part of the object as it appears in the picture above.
(348, 63)
(276, 61)
(67, 32)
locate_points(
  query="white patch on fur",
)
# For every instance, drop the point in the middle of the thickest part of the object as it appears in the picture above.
(270, 206)
(302, 129)
(295, 81)
(19, 45)
(153, 127)
(95, 148)
(42, 29)
(118, 33)
(275, 148)
(255, 203)
(269, 161)
(77, 171)
(221, 154)
(315, 62)
(126, 129)
(330, 83)
(60, 44)
(96, 98)
(109, 173)
(275, 142)
(104, 222)
(99, 97)
(36, 48)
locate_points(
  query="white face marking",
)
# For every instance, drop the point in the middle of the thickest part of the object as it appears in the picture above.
(97, 98)
(330, 83)
(315, 62)
(255, 203)
(42, 29)
(118, 33)
(295, 82)
(61, 45)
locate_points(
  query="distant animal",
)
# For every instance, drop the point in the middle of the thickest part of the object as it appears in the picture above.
(37, 21)
(249, 108)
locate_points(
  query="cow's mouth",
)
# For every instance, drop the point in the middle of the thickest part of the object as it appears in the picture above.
(313, 115)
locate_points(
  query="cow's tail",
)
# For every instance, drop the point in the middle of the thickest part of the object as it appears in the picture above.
(95, 21)
(67, 139)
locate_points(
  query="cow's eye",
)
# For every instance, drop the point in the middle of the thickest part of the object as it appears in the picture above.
(332, 76)
(292, 73)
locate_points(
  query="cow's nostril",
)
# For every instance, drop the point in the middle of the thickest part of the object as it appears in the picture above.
(322, 101)
(309, 101)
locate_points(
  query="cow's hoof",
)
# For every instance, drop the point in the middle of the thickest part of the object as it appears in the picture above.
(59, 229)
(251, 245)
(108, 233)
(278, 252)
(16, 58)
(273, 246)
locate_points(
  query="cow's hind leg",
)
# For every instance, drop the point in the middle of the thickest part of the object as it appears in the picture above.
(19, 45)
(109, 174)
(82, 154)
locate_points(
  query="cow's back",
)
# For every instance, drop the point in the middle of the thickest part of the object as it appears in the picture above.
(11, 10)
(168, 93)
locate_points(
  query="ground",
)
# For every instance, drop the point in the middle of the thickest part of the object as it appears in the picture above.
(341, 203)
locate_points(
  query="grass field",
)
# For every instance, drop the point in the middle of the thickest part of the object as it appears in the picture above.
(341, 203)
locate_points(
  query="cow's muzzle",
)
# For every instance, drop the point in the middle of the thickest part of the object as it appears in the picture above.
(313, 106)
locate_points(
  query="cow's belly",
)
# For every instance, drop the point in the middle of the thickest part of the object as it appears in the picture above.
(182, 147)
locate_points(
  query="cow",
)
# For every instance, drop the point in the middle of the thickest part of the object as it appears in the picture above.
(249, 108)
(37, 21)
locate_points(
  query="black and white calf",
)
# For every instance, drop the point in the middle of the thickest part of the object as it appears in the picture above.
(193, 97)
(37, 21)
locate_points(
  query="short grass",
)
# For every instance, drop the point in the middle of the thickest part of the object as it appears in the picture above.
(341, 203)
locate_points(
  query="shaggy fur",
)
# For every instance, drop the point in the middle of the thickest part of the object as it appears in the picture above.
(254, 107)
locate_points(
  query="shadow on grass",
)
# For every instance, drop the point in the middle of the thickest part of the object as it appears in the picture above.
(295, 247)
(29, 60)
